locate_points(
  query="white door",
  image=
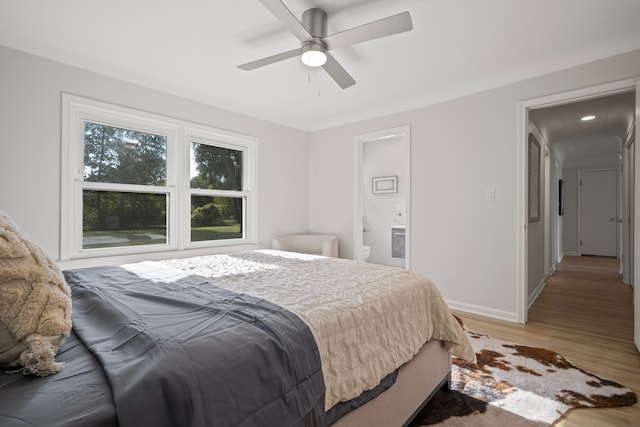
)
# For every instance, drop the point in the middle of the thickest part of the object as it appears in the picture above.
(598, 212)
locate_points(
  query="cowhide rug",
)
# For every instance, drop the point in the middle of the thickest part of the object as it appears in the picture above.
(535, 386)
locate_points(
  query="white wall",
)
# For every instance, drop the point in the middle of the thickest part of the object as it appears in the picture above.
(536, 229)
(459, 149)
(30, 117)
(466, 245)
(570, 217)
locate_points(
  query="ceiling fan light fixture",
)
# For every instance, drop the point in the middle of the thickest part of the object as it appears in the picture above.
(314, 55)
(312, 33)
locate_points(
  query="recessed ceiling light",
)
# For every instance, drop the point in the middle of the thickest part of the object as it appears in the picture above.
(587, 118)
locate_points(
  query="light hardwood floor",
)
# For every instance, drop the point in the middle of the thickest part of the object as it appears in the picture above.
(585, 313)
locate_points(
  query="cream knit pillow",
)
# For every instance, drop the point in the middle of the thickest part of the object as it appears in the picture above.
(35, 303)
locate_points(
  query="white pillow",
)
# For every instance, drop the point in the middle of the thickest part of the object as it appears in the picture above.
(35, 304)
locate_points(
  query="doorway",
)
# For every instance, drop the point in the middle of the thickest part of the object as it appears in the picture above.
(382, 194)
(524, 107)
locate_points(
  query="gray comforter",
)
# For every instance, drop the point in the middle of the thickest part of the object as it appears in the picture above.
(152, 346)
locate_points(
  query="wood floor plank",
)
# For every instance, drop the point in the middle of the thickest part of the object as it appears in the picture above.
(586, 294)
(585, 313)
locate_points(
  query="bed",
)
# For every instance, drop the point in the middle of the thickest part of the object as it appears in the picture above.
(258, 338)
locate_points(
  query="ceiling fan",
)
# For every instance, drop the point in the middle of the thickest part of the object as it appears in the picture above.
(312, 32)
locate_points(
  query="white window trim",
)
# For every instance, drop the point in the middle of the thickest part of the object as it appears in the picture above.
(76, 110)
(232, 141)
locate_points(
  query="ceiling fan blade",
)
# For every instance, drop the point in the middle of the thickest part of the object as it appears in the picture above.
(337, 73)
(374, 30)
(284, 15)
(270, 59)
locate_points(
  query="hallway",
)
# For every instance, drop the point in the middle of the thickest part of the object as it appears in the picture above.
(585, 313)
(586, 294)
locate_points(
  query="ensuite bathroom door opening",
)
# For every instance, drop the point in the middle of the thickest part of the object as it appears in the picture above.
(384, 196)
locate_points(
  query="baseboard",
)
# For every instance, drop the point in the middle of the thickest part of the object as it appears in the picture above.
(571, 254)
(536, 293)
(483, 311)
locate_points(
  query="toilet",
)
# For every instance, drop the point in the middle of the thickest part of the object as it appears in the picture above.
(366, 251)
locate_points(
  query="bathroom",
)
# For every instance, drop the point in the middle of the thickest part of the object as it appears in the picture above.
(385, 192)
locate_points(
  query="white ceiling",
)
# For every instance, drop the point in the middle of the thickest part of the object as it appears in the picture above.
(602, 137)
(192, 48)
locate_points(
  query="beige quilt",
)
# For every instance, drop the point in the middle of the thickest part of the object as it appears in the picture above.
(367, 319)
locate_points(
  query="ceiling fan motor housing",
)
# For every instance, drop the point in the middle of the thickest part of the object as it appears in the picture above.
(314, 51)
(315, 22)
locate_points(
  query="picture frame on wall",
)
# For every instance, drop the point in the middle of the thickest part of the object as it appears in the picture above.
(560, 197)
(534, 179)
(385, 184)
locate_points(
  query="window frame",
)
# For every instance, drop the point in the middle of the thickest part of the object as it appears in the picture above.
(77, 110)
(223, 139)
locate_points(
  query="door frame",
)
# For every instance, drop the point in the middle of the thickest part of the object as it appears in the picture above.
(628, 207)
(523, 108)
(358, 150)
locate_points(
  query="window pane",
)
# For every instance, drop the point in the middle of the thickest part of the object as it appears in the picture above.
(216, 218)
(124, 156)
(215, 168)
(112, 218)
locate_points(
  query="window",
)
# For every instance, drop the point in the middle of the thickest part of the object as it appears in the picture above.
(215, 182)
(124, 198)
(136, 182)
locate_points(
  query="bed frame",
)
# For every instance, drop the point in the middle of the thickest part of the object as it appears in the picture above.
(418, 380)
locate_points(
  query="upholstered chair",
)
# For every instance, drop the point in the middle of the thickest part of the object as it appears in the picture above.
(318, 244)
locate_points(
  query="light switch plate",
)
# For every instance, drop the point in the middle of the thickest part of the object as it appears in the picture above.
(490, 195)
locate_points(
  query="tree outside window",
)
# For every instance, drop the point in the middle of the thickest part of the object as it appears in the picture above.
(215, 217)
(123, 218)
